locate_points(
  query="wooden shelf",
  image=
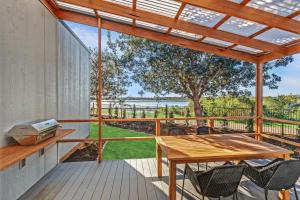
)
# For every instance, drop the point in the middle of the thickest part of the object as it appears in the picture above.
(12, 154)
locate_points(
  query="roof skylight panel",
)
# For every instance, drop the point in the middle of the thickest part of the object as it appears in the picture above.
(241, 26)
(201, 16)
(75, 8)
(127, 3)
(236, 1)
(278, 36)
(184, 34)
(297, 18)
(167, 8)
(247, 49)
(278, 7)
(217, 42)
(151, 26)
(113, 17)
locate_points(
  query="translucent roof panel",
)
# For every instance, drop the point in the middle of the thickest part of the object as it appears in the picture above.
(216, 42)
(186, 35)
(167, 8)
(113, 17)
(151, 26)
(241, 26)
(247, 49)
(127, 3)
(236, 1)
(75, 8)
(278, 7)
(297, 18)
(200, 16)
(278, 36)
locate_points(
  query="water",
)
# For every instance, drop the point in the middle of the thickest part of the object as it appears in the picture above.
(144, 103)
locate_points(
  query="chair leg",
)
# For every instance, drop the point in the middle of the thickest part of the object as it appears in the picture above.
(236, 196)
(206, 166)
(198, 166)
(266, 194)
(295, 192)
(184, 172)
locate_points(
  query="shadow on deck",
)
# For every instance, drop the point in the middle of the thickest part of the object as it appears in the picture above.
(120, 179)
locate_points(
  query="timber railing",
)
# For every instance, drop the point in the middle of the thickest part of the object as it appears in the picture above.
(210, 122)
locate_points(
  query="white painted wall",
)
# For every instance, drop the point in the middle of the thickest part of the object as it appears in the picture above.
(44, 73)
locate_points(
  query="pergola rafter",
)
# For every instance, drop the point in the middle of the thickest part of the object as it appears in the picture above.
(248, 13)
(189, 27)
(156, 36)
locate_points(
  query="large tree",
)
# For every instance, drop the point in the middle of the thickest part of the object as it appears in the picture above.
(166, 69)
(115, 78)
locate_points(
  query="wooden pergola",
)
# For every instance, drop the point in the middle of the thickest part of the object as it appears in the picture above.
(256, 31)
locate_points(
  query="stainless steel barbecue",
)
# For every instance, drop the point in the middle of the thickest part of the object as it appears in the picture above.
(34, 132)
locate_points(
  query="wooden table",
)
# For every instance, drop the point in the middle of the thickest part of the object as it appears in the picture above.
(211, 148)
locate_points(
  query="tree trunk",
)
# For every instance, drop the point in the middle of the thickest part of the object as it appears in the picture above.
(197, 110)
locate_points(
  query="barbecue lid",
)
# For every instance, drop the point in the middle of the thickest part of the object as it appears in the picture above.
(33, 128)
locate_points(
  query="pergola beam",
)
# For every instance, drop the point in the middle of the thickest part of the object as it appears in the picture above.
(290, 51)
(177, 24)
(248, 13)
(156, 36)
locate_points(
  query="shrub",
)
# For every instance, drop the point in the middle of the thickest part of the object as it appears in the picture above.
(124, 113)
(155, 113)
(116, 111)
(109, 110)
(134, 111)
(143, 114)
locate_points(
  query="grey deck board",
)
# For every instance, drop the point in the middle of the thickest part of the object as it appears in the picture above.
(115, 193)
(133, 186)
(124, 190)
(65, 186)
(122, 180)
(101, 183)
(85, 184)
(95, 179)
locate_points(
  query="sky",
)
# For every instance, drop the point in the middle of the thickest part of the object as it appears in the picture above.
(290, 75)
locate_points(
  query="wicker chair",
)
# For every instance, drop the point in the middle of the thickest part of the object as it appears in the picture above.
(203, 130)
(277, 175)
(221, 181)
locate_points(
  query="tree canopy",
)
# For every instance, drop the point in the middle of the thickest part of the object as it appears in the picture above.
(115, 79)
(165, 69)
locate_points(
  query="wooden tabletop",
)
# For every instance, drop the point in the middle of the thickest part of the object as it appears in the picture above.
(217, 147)
(11, 154)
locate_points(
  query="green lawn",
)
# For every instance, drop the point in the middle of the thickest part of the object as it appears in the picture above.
(118, 150)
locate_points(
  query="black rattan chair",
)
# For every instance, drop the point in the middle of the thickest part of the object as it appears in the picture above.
(277, 175)
(221, 181)
(203, 130)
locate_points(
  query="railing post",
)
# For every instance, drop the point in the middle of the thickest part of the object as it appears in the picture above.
(99, 93)
(211, 125)
(158, 149)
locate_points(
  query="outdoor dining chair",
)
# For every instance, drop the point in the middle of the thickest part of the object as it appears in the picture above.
(220, 181)
(277, 175)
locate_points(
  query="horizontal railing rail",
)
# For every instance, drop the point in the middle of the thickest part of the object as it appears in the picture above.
(210, 123)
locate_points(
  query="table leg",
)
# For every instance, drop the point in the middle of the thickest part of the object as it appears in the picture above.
(285, 194)
(172, 180)
(159, 160)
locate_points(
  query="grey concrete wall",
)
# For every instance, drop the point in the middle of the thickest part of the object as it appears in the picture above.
(44, 73)
(73, 79)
